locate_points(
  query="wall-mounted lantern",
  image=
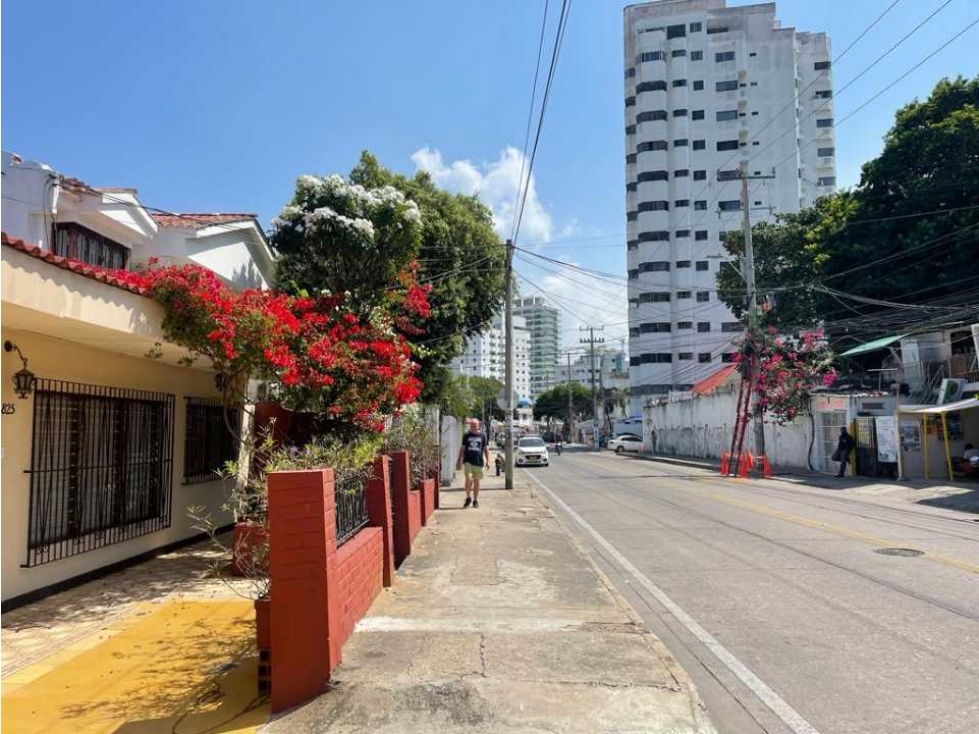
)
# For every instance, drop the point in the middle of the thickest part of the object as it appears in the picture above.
(23, 378)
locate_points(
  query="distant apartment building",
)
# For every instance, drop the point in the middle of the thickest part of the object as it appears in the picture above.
(709, 89)
(484, 355)
(611, 369)
(544, 325)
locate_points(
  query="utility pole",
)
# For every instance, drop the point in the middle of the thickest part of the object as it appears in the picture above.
(508, 349)
(749, 278)
(592, 341)
(570, 405)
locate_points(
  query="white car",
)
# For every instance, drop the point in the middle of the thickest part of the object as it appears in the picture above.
(531, 451)
(625, 442)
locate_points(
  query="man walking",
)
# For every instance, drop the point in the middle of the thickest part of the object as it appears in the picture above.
(843, 448)
(473, 456)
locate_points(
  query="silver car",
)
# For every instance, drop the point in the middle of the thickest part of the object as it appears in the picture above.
(625, 442)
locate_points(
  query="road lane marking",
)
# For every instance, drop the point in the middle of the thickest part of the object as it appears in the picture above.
(828, 527)
(789, 716)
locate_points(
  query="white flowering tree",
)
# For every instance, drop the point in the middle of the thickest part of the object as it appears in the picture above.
(342, 238)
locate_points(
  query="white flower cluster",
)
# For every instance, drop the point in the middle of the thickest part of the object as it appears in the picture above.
(350, 197)
(325, 214)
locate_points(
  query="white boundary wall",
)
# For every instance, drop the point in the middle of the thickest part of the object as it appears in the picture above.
(701, 427)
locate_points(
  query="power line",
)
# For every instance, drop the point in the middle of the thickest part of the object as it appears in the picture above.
(530, 112)
(555, 54)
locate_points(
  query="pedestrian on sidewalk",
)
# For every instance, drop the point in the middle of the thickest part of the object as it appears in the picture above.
(473, 456)
(843, 448)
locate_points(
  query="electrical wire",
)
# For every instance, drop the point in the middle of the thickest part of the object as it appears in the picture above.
(555, 55)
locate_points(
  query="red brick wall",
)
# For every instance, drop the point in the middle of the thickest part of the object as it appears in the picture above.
(359, 567)
(379, 510)
(427, 491)
(414, 513)
(305, 619)
(318, 592)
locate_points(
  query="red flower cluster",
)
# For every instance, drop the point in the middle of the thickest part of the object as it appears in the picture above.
(326, 357)
(784, 369)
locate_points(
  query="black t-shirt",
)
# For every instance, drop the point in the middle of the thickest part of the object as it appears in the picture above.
(474, 445)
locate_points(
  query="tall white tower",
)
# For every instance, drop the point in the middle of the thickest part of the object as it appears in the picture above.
(708, 88)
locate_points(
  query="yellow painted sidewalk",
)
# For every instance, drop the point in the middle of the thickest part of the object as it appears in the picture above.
(184, 667)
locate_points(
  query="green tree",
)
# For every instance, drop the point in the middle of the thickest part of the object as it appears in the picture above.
(553, 403)
(484, 391)
(930, 162)
(456, 398)
(461, 257)
(793, 249)
(337, 237)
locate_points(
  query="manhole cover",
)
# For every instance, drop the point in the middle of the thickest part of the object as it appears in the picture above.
(906, 552)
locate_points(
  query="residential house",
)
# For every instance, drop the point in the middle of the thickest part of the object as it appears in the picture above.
(115, 440)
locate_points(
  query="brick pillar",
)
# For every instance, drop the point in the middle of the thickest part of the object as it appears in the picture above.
(379, 511)
(303, 573)
(401, 495)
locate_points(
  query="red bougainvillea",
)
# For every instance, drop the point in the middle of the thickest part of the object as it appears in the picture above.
(784, 369)
(323, 356)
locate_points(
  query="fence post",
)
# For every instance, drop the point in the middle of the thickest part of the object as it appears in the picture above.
(401, 497)
(305, 610)
(379, 512)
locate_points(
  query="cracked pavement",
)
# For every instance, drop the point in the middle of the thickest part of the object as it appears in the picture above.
(498, 622)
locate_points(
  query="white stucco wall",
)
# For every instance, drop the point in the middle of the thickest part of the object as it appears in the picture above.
(227, 250)
(61, 359)
(701, 427)
(73, 328)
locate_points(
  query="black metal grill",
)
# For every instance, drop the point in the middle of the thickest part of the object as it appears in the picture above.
(208, 444)
(351, 507)
(101, 467)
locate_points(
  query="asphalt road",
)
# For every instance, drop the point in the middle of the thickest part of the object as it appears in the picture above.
(776, 600)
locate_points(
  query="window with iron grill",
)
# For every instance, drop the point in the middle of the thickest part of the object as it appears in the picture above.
(101, 467)
(208, 444)
(80, 243)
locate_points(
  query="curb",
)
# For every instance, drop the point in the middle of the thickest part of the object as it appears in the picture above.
(711, 465)
(698, 709)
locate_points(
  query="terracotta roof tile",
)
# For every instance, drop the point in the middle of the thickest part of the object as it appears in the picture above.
(713, 381)
(199, 221)
(76, 185)
(84, 269)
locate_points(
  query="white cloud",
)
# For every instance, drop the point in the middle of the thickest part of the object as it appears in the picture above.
(569, 229)
(583, 300)
(497, 184)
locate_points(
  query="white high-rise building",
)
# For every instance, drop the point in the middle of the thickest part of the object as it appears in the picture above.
(544, 324)
(484, 355)
(707, 89)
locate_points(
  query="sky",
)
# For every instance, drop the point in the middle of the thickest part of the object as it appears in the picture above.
(219, 106)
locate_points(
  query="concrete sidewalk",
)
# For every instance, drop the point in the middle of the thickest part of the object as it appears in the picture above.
(499, 623)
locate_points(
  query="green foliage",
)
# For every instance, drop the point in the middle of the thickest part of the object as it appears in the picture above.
(484, 393)
(337, 237)
(248, 498)
(930, 161)
(454, 397)
(412, 433)
(460, 255)
(553, 403)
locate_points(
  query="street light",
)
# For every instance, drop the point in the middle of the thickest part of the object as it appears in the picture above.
(23, 378)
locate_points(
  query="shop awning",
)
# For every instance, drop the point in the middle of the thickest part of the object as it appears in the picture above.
(967, 404)
(872, 346)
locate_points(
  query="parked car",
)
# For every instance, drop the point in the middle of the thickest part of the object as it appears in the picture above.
(625, 442)
(531, 451)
